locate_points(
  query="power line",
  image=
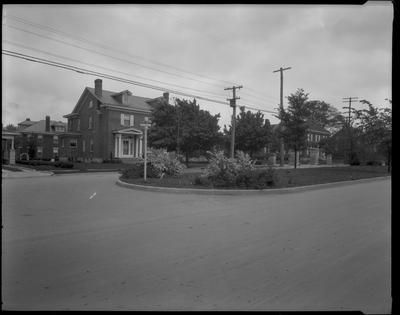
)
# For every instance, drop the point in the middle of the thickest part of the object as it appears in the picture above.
(124, 60)
(90, 72)
(106, 76)
(105, 68)
(349, 99)
(84, 40)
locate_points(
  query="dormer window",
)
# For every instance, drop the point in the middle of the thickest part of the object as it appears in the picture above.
(90, 104)
(122, 97)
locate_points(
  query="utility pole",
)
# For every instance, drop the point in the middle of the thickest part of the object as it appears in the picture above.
(345, 100)
(282, 149)
(146, 125)
(233, 105)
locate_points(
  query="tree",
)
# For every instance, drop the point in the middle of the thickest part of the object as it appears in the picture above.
(375, 125)
(184, 127)
(324, 114)
(293, 127)
(10, 127)
(252, 132)
(163, 133)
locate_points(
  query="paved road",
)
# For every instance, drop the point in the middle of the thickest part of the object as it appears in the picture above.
(80, 242)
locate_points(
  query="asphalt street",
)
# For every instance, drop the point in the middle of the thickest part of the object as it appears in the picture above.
(80, 242)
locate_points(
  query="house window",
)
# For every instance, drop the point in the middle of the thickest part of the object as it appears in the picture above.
(62, 142)
(78, 124)
(69, 125)
(55, 152)
(55, 140)
(60, 128)
(73, 143)
(40, 139)
(39, 151)
(127, 120)
(91, 104)
(90, 122)
(91, 145)
(83, 145)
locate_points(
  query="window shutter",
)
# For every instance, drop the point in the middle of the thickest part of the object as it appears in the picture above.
(131, 117)
(122, 119)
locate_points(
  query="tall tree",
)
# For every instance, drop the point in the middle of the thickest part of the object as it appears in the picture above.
(252, 132)
(324, 114)
(375, 125)
(293, 126)
(184, 127)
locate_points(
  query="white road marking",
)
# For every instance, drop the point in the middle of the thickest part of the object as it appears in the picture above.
(92, 196)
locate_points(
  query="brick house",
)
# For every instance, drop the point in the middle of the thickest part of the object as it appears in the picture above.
(315, 133)
(39, 139)
(105, 125)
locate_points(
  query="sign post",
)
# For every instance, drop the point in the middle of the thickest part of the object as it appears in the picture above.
(146, 125)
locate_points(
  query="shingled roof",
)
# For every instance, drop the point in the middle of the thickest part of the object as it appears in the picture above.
(40, 126)
(134, 102)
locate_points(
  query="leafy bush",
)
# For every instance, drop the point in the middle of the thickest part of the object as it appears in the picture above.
(165, 163)
(202, 181)
(137, 171)
(257, 179)
(239, 172)
(221, 170)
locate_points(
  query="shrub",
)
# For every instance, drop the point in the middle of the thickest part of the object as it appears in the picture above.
(221, 170)
(202, 181)
(137, 171)
(165, 163)
(239, 172)
(257, 179)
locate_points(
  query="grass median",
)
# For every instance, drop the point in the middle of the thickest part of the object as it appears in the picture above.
(285, 177)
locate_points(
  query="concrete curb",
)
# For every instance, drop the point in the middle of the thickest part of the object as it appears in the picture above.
(271, 191)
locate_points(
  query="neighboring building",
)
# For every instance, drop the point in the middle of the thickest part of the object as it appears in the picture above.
(8, 146)
(39, 139)
(106, 125)
(315, 133)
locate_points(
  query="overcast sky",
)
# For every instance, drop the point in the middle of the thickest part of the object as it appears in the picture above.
(334, 51)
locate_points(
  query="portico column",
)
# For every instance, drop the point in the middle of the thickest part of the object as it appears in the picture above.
(12, 152)
(120, 145)
(140, 146)
(136, 146)
(116, 146)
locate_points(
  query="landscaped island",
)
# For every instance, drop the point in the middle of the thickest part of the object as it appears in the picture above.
(241, 173)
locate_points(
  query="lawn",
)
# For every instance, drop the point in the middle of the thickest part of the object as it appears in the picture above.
(286, 177)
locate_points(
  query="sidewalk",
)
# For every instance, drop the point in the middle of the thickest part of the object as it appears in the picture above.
(23, 173)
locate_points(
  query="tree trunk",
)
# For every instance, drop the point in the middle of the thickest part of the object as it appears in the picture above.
(295, 157)
(389, 161)
(187, 159)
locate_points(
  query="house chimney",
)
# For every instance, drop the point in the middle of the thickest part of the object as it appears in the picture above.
(47, 124)
(166, 97)
(98, 87)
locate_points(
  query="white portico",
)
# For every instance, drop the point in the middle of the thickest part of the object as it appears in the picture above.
(128, 143)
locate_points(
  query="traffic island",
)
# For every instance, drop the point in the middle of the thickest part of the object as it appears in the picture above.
(269, 191)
